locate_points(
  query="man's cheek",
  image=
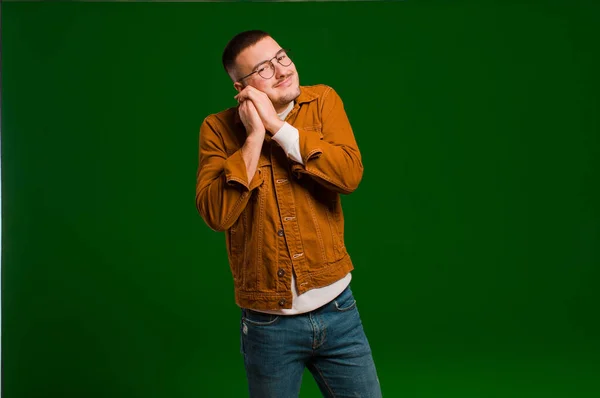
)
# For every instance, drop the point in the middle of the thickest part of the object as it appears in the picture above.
(263, 89)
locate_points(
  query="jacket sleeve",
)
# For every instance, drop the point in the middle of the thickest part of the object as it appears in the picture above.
(222, 187)
(331, 158)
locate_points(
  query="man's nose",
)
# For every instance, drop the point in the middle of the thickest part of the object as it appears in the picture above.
(280, 70)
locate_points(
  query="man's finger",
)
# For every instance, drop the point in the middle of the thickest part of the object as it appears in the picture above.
(250, 92)
(255, 93)
(246, 93)
(240, 94)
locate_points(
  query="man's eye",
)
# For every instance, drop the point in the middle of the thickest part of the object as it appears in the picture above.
(282, 57)
(261, 69)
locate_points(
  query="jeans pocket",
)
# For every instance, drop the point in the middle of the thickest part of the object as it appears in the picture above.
(345, 301)
(259, 318)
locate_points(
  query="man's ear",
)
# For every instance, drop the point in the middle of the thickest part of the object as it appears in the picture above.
(238, 86)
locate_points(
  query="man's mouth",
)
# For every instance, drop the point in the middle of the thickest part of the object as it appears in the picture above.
(285, 83)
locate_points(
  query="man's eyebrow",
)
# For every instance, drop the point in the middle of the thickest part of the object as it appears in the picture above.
(262, 62)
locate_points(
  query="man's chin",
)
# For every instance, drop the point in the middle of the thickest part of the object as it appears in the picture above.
(293, 94)
(287, 97)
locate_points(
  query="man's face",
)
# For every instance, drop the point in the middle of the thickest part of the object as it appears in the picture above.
(283, 87)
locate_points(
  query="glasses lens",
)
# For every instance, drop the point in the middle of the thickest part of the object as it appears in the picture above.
(284, 59)
(266, 70)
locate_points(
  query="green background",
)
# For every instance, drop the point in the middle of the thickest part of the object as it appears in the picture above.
(475, 232)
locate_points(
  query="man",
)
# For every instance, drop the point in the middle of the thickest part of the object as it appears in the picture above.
(270, 175)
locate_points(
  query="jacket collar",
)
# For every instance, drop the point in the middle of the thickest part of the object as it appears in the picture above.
(306, 95)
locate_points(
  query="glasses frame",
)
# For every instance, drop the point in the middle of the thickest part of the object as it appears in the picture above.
(284, 50)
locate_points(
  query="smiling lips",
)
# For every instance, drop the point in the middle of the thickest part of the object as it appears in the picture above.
(285, 83)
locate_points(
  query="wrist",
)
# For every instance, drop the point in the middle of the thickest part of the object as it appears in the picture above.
(275, 126)
(255, 138)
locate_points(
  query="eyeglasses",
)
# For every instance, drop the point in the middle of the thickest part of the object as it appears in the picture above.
(266, 69)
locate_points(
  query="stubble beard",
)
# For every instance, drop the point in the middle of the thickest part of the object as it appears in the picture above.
(287, 98)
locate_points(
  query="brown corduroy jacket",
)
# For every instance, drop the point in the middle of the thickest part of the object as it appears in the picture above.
(289, 216)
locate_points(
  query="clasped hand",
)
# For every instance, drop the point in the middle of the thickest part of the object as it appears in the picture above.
(257, 112)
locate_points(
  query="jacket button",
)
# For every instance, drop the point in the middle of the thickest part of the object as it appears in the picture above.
(280, 272)
(282, 302)
(280, 232)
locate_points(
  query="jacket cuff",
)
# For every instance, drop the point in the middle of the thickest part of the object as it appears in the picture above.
(236, 174)
(288, 138)
(310, 148)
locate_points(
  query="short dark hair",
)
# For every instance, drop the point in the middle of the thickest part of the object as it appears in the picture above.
(239, 43)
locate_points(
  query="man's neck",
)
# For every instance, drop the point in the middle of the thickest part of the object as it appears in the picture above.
(284, 112)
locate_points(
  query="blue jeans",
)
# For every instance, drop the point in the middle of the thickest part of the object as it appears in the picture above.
(329, 341)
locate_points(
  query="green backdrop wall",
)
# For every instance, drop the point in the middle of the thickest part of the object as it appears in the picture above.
(475, 232)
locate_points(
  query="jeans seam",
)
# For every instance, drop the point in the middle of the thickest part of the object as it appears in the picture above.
(324, 380)
(324, 333)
